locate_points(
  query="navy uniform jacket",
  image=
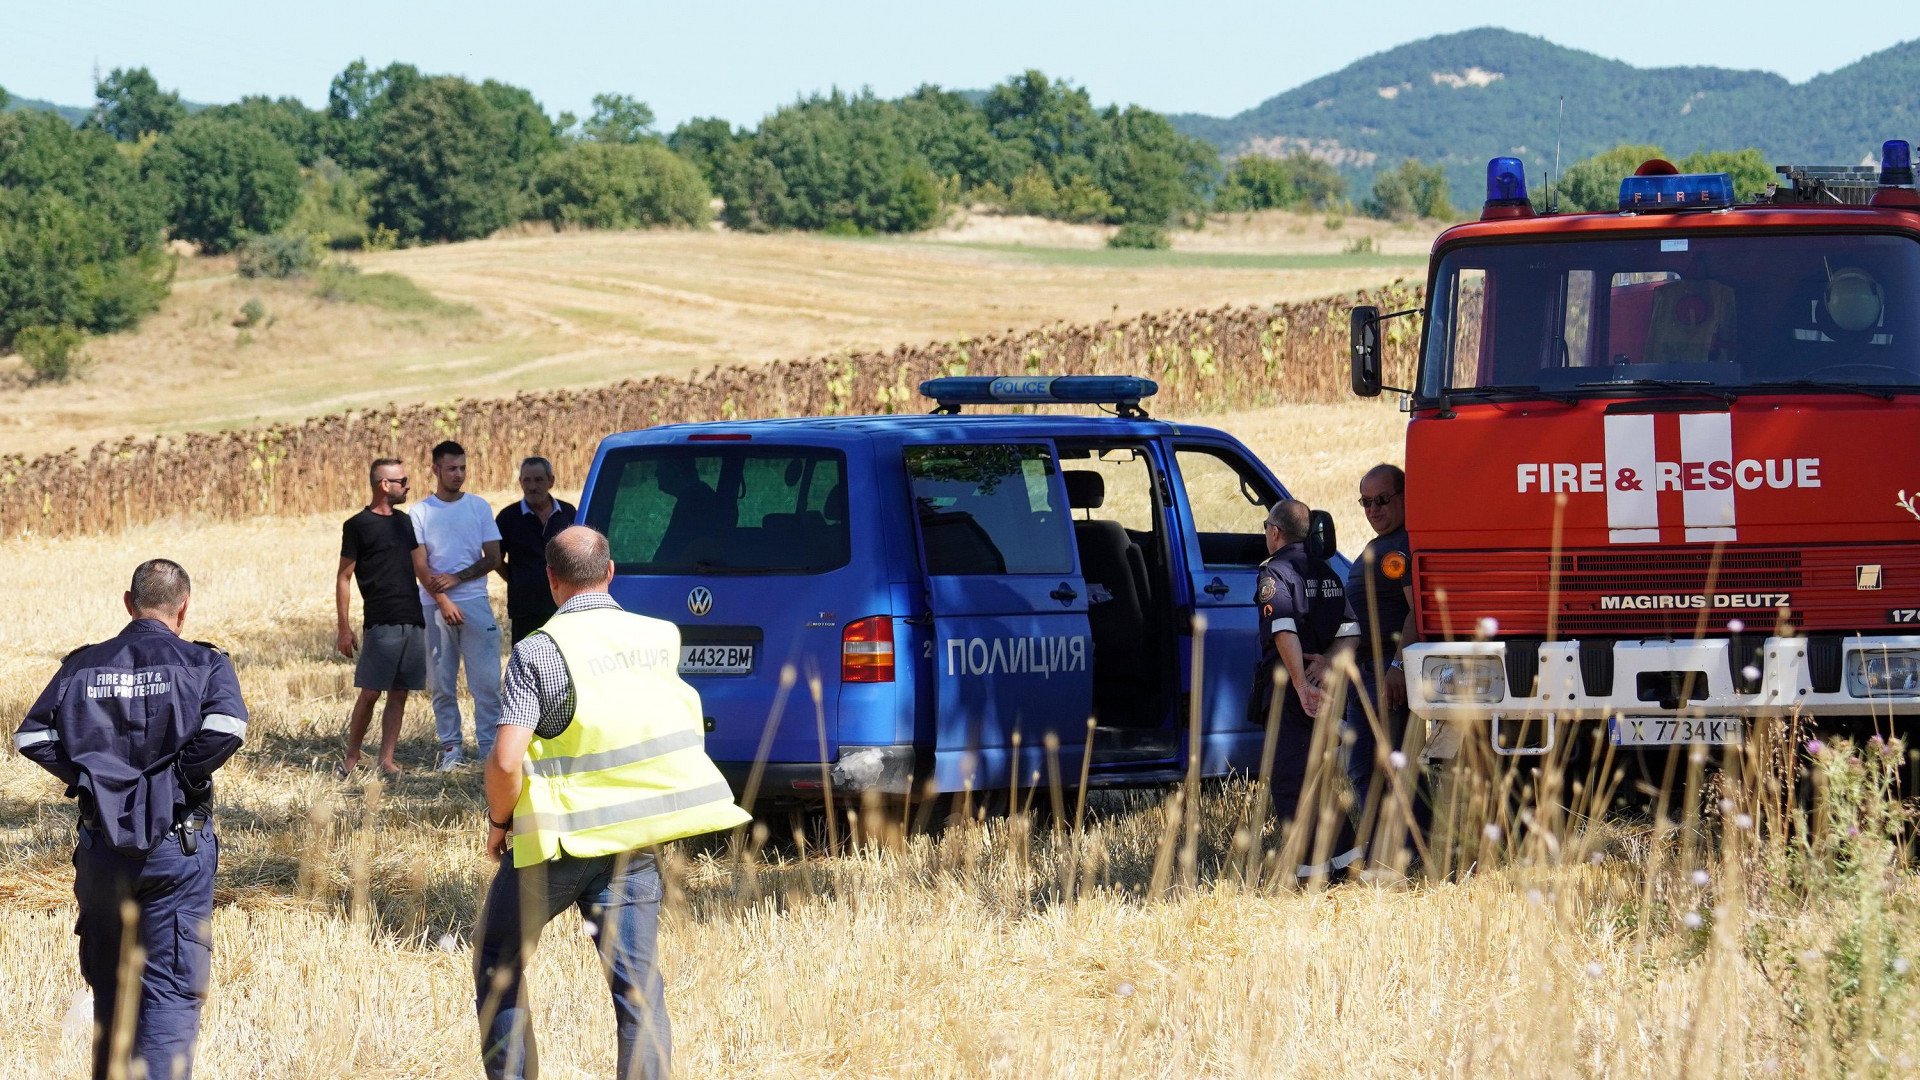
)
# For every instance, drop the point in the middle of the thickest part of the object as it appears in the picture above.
(1377, 597)
(135, 727)
(1300, 594)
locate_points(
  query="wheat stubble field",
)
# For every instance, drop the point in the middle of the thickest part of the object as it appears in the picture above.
(1718, 947)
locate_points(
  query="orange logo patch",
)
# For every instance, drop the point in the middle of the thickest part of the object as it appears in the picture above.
(1394, 565)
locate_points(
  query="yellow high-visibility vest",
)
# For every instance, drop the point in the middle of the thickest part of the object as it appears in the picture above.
(631, 770)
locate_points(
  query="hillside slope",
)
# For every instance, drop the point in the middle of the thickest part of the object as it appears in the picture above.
(1462, 98)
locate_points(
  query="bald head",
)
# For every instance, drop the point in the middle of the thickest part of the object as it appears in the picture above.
(578, 561)
(1290, 516)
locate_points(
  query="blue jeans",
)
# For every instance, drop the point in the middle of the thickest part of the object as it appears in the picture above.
(475, 642)
(619, 896)
(172, 894)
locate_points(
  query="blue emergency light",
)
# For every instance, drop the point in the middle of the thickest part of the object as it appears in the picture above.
(1676, 191)
(1506, 190)
(1896, 163)
(1123, 392)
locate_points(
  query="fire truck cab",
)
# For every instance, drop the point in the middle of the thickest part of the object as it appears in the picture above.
(1663, 463)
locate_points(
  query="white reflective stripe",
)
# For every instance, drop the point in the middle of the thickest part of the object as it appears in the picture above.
(222, 724)
(1278, 625)
(624, 755)
(1338, 862)
(1633, 505)
(24, 739)
(647, 806)
(1347, 629)
(1708, 437)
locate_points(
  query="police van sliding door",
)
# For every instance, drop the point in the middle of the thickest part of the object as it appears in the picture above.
(1226, 500)
(1012, 655)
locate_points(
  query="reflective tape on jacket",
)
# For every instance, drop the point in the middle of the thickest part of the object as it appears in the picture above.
(631, 769)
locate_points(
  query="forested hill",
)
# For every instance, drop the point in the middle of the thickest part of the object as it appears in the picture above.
(1459, 99)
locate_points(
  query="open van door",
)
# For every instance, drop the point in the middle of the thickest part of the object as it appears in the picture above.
(1012, 652)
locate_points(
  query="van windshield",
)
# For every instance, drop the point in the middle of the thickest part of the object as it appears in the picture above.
(723, 509)
(1730, 313)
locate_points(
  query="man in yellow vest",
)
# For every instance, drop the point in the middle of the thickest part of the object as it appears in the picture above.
(600, 757)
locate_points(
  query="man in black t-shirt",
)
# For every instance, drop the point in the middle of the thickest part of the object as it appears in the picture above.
(525, 528)
(378, 548)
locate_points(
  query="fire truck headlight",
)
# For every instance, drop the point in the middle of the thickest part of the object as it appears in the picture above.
(1464, 678)
(1883, 672)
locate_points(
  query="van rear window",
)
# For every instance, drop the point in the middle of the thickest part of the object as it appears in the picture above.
(723, 509)
(989, 509)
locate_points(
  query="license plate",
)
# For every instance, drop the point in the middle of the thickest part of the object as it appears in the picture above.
(716, 659)
(1654, 731)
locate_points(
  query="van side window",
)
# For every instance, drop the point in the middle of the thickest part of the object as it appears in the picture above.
(1229, 501)
(723, 509)
(989, 509)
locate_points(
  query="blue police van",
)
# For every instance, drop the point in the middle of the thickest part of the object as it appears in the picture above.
(869, 603)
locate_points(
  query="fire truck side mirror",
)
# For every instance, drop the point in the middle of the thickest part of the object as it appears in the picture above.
(1364, 331)
(1321, 543)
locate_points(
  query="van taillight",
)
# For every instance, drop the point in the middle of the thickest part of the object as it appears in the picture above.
(866, 650)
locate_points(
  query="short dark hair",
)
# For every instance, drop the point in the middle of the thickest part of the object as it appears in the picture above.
(1392, 472)
(540, 461)
(448, 449)
(1291, 517)
(373, 470)
(159, 585)
(579, 556)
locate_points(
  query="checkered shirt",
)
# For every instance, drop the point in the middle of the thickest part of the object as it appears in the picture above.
(536, 691)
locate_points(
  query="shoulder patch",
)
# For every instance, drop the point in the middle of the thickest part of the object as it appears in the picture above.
(211, 647)
(1394, 565)
(1268, 586)
(76, 652)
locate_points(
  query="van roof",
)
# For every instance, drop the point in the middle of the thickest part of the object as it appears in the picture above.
(912, 427)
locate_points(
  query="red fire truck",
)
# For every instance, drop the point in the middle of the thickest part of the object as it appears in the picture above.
(1663, 463)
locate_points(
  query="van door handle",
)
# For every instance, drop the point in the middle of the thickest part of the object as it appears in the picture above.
(1064, 594)
(1217, 588)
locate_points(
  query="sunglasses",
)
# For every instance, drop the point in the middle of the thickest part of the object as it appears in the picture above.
(1378, 500)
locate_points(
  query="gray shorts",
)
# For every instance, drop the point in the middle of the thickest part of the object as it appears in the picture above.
(393, 656)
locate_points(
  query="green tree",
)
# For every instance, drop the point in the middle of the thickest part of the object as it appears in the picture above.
(620, 186)
(80, 230)
(1256, 182)
(227, 180)
(129, 104)
(951, 134)
(618, 118)
(1594, 183)
(1749, 169)
(1046, 123)
(357, 99)
(1150, 171)
(446, 171)
(843, 164)
(286, 119)
(1411, 190)
(712, 145)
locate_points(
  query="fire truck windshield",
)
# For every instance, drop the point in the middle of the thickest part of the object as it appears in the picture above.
(1714, 314)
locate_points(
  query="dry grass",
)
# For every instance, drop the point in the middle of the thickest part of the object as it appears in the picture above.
(581, 309)
(1004, 949)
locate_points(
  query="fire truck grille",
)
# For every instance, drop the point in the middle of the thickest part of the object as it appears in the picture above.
(1663, 592)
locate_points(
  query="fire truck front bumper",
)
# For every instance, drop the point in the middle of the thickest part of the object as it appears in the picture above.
(1524, 696)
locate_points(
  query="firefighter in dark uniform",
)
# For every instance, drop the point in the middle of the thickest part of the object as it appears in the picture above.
(1380, 614)
(1302, 608)
(135, 728)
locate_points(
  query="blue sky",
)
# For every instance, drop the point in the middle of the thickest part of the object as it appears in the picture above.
(741, 60)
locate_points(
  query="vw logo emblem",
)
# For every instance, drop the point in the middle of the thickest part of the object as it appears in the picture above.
(700, 600)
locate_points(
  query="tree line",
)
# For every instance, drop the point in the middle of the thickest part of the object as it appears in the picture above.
(398, 156)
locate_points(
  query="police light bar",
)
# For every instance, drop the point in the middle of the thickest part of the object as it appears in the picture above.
(1124, 392)
(1676, 191)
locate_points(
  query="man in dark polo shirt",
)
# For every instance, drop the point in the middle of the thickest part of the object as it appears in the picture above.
(378, 548)
(525, 528)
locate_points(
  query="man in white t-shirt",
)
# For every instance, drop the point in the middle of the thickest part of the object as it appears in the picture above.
(463, 547)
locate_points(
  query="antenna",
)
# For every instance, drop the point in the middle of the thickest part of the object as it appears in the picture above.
(1553, 193)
